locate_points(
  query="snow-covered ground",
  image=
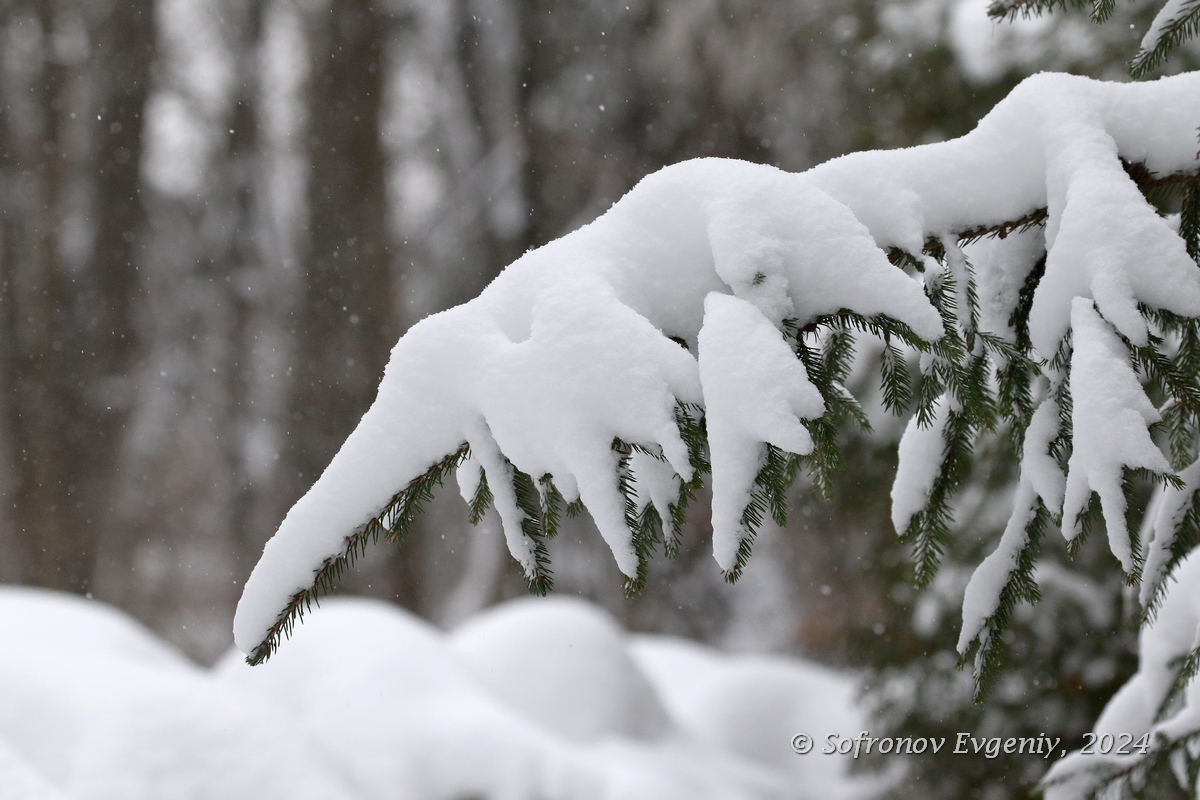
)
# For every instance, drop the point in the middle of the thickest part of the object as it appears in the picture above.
(537, 698)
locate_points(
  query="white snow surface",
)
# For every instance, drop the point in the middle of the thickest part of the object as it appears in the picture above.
(753, 704)
(1040, 477)
(21, 782)
(1110, 418)
(532, 699)
(587, 688)
(572, 345)
(1171, 11)
(1134, 709)
(920, 457)
(1162, 520)
(755, 391)
(99, 708)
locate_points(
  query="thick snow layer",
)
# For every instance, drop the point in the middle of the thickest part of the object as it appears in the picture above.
(1109, 417)
(568, 349)
(535, 699)
(1055, 142)
(578, 342)
(920, 458)
(755, 391)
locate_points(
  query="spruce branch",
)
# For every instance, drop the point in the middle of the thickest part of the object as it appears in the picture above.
(645, 528)
(1189, 219)
(1009, 9)
(989, 647)
(481, 501)
(894, 378)
(768, 496)
(394, 521)
(928, 530)
(1185, 538)
(529, 501)
(551, 507)
(1174, 32)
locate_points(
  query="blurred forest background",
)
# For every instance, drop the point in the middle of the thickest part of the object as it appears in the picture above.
(216, 219)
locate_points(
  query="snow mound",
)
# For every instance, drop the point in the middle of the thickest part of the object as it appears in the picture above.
(100, 708)
(529, 700)
(588, 686)
(21, 781)
(752, 705)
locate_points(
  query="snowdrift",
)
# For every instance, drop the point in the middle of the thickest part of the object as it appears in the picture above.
(533, 699)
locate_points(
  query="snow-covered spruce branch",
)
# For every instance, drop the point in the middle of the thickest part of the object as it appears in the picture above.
(567, 381)
(1176, 22)
(1158, 709)
(1100, 10)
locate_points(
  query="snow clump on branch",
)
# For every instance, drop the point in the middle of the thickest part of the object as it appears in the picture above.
(600, 358)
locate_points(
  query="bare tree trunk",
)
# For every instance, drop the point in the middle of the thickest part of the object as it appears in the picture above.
(40, 405)
(73, 337)
(346, 322)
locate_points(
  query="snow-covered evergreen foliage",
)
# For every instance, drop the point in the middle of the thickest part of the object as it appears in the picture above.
(706, 318)
(704, 325)
(1175, 23)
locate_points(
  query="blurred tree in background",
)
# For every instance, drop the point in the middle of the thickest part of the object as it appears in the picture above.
(216, 219)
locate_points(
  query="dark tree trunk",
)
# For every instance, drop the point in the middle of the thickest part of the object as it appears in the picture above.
(346, 321)
(72, 337)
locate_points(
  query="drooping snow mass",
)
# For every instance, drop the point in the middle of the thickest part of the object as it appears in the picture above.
(578, 343)
(755, 392)
(1040, 477)
(1037, 465)
(1140, 707)
(920, 456)
(1110, 416)
(573, 345)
